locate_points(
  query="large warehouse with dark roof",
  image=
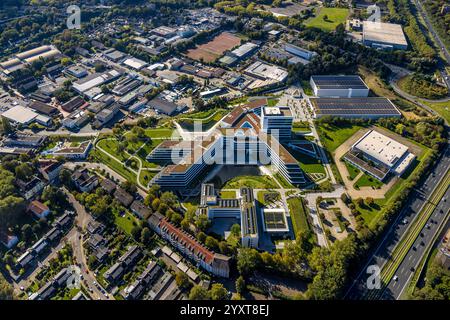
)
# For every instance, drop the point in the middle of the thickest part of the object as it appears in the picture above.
(369, 107)
(339, 86)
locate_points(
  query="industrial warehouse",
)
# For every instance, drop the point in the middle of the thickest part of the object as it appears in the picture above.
(339, 86)
(379, 155)
(367, 108)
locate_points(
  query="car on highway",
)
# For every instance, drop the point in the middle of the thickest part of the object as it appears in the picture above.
(395, 278)
(405, 221)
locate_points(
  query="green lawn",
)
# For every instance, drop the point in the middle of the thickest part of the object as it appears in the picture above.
(443, 108)
(146, 176)
(334, 16)
(256, 182)
(159, 133)
(125, 221)
(368, 181)
(261, 198)
(333, 136)
(272, 102)
(111, 146)
(284, 183)
(114, 165)
(352, 170)
(231, 194)
(307, 88)
(307, 163)
(298, 215)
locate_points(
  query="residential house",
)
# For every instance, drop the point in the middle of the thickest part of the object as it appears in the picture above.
(39, 209)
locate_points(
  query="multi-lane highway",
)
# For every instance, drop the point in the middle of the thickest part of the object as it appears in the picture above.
(417, 200)
(404, 273)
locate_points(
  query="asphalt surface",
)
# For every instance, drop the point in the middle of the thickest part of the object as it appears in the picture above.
(405, 271)
(417, 200)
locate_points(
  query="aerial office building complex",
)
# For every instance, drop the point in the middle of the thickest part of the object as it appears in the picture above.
(244, 139)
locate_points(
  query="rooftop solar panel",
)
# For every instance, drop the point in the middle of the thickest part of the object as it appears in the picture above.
(354, 106)
(339, 82)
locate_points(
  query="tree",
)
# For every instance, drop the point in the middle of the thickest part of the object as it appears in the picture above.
(212, 243)
(6, 290)
(218, 292)
(176, 218)
(136, 232)
(236, 229)
(24, 171)
(156, 204)
(169, 198)
(182, 280)
(201, 236)
(6, 126)
(199, 293)
(240, 285)
(145, 235)
(248, 260)
(202, 222)
(369, 201)
(27, 232)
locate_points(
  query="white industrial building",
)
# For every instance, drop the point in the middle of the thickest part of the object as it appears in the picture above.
(383, 35)
(386, 154)
(339, 86)
(25, 116)
(135, 63)
(299, 52)
(95, 80)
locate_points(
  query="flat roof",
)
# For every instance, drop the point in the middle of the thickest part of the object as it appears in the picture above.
(339, 82)
(135, 63)
(275, 220)
(277, 111)
(20, 114)
(267, 71)
(384, 32)
(380, 147)
(354, 106)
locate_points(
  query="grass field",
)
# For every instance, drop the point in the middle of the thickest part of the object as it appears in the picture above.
(256, 182)
(261, 194)
(146, 176)
(352, 170)
(114, 165)
(307, 88)
(333, 136)
(125, 221)
(298, 215)
(230, 194)
(443, 108)
(422, 87)
(284, 183)
(159, 133)
(367, 181)
(334, 16)
(207, 123)
(307, 163)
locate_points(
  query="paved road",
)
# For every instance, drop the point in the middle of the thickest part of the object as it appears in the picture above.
(417, 200)
(75, 238)
(405, 271)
